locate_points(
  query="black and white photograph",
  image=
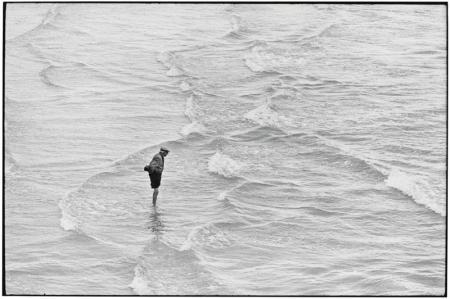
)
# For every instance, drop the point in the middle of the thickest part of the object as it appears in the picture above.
(225, 148)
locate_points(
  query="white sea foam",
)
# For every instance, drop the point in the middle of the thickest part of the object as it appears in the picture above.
(206, 235)
(139, 284)
(417, 188)
(266, 115)
(262, 58)
(223, 165)
(254, 61)
(191, 112)
(67, 221)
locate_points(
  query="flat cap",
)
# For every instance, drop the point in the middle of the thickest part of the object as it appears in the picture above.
(164, 149)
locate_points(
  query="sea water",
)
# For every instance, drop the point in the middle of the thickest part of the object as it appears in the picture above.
(307, 149)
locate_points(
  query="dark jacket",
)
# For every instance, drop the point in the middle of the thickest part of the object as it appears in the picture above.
(157, 164)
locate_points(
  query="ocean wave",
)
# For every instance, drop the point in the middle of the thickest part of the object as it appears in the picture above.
(192, 113)
(194, 127)
(414, 186)
(211, 235)
(271, 60)
(188, 243)
(79, 75)
(223, 165)
(418, 188)
(139, 284)
(92, 212)
(67, 221)
(255, 59)
(154, 273)
(266, 115)
(347, 152)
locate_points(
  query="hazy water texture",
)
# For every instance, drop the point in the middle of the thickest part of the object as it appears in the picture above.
(308, 149)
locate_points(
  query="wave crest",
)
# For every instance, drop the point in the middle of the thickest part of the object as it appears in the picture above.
(140, 284)
(264, 59)
(223, 165)
(266, 115)
(191, 112)
(417, 188)
(154, 273)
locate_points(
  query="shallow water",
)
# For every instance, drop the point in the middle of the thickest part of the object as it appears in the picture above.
(308, 149)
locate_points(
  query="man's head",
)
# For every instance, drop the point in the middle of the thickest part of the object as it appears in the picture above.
(164, 151)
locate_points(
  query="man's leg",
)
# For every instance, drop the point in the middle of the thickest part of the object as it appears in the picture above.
(155, 195)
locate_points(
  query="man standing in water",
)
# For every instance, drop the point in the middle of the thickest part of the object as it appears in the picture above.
(155, 169)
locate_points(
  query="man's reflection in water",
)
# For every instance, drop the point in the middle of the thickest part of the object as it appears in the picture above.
(156, 225)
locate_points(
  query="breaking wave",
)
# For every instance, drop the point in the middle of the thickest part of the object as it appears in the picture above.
(266, 115)
(223, 165)
(417, 188)
(191, 113)
(154, 273)
(256, 61)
